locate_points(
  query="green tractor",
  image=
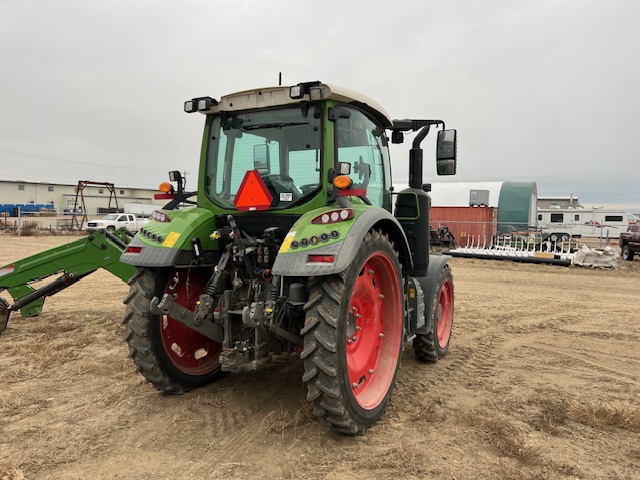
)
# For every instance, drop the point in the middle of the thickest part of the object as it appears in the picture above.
(292, 247)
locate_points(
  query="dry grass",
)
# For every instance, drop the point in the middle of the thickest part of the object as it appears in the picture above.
(504, 438)
(11, 472)
(508, 470)
(400, 458)
(554, 413)
(42, 354)
(281, 421)
(607, 416)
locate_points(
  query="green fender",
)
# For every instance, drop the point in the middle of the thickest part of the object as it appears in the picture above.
(163, 244)
(303, 241)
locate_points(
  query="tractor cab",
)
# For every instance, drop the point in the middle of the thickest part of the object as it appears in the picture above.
(293, 139)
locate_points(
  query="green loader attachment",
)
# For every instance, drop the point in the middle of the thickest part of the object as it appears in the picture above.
(73, 261)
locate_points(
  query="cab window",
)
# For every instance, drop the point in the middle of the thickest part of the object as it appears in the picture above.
(362, 142)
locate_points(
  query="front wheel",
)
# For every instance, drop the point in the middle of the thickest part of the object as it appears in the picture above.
(627, 253)
(353, 337)
(434, 345)
(170, 355)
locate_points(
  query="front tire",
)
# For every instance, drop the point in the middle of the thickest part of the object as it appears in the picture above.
(434, 345)
(627, 253)
(353, 338)
(170, 355)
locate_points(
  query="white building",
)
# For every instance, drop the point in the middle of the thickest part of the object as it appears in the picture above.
(97, 198)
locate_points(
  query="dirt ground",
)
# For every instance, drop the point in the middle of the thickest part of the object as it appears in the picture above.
(542, 381)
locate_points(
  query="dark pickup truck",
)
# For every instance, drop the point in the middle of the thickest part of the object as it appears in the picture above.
(630, 244)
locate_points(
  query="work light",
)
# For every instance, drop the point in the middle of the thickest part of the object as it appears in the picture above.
(296, 92)
(315, 94)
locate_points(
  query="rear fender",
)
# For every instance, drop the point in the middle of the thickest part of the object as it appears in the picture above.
(429, 285)
(295, 261)
(163, 244)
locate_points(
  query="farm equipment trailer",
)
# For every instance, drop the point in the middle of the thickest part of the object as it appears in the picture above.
(292, 246)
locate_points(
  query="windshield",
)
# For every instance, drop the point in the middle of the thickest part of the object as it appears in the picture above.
(283, 145)
(111, 216)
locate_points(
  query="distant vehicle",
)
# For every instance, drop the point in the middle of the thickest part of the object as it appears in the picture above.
(630, 244)
(143, 210)
(559, 224)
(114, 221)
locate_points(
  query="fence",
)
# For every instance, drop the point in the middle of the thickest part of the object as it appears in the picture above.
(491, 234)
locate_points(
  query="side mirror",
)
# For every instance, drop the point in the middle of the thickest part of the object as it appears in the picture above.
(261, 160)
(446, 151)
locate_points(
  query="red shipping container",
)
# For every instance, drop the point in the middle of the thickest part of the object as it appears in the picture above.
(468, 224)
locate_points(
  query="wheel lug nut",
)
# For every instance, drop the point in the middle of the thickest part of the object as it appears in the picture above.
(358, 327)
(370, 272)
(371, 372)
(349, 341)
(355, 385)
(355, 339)
(381, 296)
(381, 335)
(358, 315)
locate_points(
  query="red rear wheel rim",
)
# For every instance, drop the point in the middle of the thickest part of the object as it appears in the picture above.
(190, 352)
(374, 330)
(444, 314)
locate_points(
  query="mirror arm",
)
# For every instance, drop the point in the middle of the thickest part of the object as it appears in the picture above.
(424, 131)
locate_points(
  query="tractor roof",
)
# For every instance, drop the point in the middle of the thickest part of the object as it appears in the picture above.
(272, 96)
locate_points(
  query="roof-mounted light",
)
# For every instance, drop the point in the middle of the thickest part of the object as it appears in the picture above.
(190, 106)
(200, 104)
(315, 94)
(313, 89)
(297, 91)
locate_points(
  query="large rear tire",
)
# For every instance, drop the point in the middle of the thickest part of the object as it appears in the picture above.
(434, 345)
(627, 253)
(170, 355)
(353, 338)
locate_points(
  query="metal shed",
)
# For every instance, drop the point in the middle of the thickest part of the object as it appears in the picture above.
(516, 201)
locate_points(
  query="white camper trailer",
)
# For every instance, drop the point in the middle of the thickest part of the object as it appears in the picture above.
(558, 224)
(143, 210)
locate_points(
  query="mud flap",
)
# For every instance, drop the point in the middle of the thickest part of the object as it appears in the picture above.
(429, 284)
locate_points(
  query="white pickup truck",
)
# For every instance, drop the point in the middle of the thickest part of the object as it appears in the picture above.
(113, 221)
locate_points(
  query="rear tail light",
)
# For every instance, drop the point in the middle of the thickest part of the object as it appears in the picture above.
(159, 216)
(321, 258)
(333, 216)
(133, 250)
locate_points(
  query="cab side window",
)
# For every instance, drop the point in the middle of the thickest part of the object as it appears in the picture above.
(361, 142)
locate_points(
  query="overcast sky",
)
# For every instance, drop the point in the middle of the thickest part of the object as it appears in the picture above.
(545, 90)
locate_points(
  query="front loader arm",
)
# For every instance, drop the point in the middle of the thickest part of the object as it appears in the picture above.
(73, 260)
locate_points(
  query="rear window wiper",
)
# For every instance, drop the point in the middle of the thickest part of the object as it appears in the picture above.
(272, 125)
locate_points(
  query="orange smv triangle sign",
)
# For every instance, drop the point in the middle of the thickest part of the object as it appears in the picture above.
(253, 193)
